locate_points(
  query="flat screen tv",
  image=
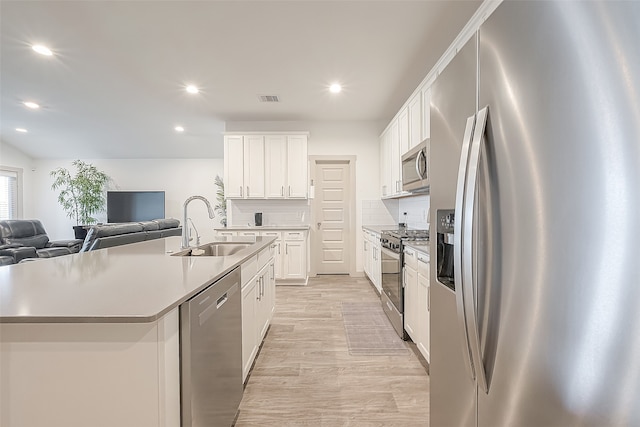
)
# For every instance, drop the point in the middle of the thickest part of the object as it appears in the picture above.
(128, 206)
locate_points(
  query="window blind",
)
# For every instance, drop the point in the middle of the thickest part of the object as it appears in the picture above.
(8, 194)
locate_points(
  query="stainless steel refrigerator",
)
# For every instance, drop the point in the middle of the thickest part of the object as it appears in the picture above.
(535, 197)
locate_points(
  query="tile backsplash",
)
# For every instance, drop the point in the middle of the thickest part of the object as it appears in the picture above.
(417, 209)
(380, 212)
(274, 212)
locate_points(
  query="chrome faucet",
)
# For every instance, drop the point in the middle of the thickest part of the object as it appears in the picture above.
(185, 225)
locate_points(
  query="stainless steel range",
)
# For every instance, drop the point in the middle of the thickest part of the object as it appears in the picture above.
(391, 266)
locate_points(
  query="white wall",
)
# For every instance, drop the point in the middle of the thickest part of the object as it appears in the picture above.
(178, 178)
(13, 157)
(347, 138)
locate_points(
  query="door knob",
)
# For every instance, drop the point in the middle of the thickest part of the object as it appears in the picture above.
(319, 225)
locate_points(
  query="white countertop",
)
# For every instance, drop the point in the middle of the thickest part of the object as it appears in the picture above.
(139, 282)
(420, 247)
(263, 227)
(378, 228)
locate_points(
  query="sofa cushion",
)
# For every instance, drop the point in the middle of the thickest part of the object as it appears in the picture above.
(53, 252)
(73, 245)
(25, 232)
(19, 253)
(149, 225)
(6, 260)
(165, 223)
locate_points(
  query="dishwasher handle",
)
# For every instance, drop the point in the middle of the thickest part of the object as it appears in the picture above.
(224, 298)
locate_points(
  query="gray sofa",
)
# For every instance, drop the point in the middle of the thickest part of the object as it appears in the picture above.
(27, 240)
(109, 235)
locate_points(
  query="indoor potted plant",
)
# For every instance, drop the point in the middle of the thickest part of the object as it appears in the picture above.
(81, 195)
(221, 205)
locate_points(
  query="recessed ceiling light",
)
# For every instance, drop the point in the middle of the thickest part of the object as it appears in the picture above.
(179, 129)
(21, 130)
(335, 88)
(42, 50)
(31, 105)
(192, 89)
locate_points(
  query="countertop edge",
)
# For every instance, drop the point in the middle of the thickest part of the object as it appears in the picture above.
(118, 319)
(264, 227)
(419, 248)
(377, 229)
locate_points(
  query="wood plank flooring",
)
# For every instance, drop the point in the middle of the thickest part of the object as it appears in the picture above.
(304, 375)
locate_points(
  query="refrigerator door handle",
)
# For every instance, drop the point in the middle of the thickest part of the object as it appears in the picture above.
(467, 247)
(457, 245)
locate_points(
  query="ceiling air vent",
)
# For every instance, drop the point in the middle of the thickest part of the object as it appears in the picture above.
(269, 98)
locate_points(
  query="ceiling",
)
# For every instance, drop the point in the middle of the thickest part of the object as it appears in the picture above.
(115, 86)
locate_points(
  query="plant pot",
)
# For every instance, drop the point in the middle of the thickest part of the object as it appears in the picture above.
(80, 231)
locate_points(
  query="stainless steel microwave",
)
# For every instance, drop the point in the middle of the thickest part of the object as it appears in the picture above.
(415, 168)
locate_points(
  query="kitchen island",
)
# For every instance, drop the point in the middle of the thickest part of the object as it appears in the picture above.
(92, 339)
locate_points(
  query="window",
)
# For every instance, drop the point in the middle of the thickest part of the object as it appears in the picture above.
(10, 193)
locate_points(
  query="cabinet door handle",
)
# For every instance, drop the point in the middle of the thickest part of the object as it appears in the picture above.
(248, 191)
(241, 192)
(429, 298)
(282, 191)
(286, 248)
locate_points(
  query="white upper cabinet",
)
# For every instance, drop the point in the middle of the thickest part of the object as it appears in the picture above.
(243, 167)
(233, 167)
(394, 149)
(276, 166)
(426, 112)
(391, 184)
(415, 120)
(409, 127)
(254, 166)
(385, 164)
(259, 166)
(297, 166)
(403, 129)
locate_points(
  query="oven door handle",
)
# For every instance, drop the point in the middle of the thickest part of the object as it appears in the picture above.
(388, 252)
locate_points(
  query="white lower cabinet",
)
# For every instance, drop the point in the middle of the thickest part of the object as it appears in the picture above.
(278, 252)
(410, 283)
(249, 335)
(366, 253)
(424, 305)
(258, 304)
(290, 252)
(295, 260)
(372, 268)
(290, 259)
(227, 233)
(416, 299)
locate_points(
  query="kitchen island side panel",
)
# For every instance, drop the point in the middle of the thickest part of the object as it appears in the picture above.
(90, 374)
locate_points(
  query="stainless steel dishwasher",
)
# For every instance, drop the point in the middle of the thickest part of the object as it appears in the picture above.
(211, 354)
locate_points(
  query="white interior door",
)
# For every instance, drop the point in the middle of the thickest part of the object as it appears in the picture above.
(332, 215)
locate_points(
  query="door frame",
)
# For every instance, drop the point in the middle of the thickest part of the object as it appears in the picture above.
(313, 235)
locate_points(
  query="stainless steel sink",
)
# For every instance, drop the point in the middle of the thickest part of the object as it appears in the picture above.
(215, 249)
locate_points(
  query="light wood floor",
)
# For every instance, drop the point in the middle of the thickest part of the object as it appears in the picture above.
(304, 375)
